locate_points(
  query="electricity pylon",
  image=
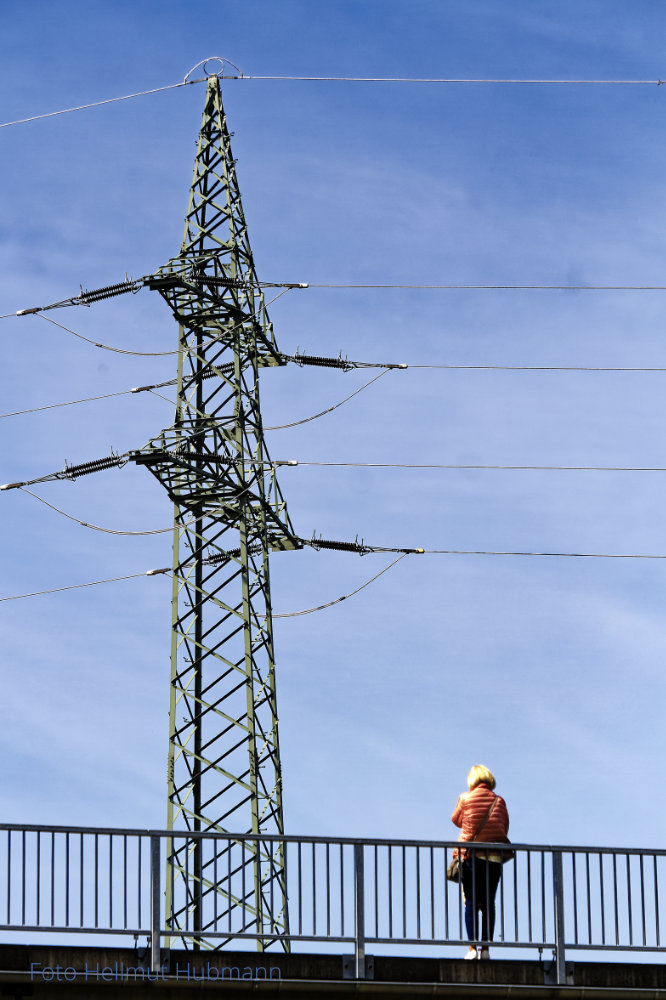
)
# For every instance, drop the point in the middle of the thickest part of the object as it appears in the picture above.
(224, 770)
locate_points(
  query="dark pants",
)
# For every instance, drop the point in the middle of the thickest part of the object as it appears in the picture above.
(480, 879)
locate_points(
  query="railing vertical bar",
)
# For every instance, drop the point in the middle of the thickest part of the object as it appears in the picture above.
(171, 861)
(23, 877)
(314, 890)
(96, 841)
(656, 899)
(446, 895)
(138, 880)
(515, 895)
(404, 893)
(186, 886)
(642, 871)
(300, 887)
(602, 899)
(342, 891)
(125, 881)
(376, 876)
(271, 847)
(460, 900)
(38, 879)
(418, 892)
(617, 918)
(9, 875)
(575, 895)
(390, 888)
(81, 882)
(67, 879)
(53, 856)
(243, 885)
(328, 890)
(486, 894)
(432, 892)
(229, 849)
(588, 897)
(543, 896)
(110, 880)
(215, 885)
(529, 896)
(502, 909)
(629, 908)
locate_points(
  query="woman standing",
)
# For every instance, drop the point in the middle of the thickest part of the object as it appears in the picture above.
(483, 816)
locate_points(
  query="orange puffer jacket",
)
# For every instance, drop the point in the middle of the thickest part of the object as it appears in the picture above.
(470, 811)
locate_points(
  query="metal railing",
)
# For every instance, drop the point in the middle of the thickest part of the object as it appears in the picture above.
(360, 893)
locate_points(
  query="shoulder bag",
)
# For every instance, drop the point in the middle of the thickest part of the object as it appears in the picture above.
(453, 871)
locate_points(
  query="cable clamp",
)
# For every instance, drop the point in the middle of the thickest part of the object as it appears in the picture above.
(156, 572)
(285, 461)
(12, 486)
(27, 312)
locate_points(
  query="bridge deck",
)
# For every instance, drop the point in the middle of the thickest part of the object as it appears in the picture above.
(109, 973)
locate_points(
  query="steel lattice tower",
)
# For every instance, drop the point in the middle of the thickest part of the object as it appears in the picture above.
(224, 761)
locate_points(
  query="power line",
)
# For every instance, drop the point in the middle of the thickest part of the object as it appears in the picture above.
(448, 552)
(511, 368)
(107, 347)
(511, 468)
(558, 288)
(97, 104)
(115, 461)
(79, 586)
(91, 399)
(330, 409)
(335, 79)
(557, 555)
(541, 368)
(450, 80)
(95, 527)
(338, 600)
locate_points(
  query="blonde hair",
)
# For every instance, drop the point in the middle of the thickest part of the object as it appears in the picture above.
(478, 775)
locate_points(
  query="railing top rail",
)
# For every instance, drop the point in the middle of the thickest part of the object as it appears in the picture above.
(304, 838)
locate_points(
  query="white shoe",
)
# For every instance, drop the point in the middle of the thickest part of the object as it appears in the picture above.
(471, 955)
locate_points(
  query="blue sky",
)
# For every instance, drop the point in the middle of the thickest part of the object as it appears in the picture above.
(550, 671)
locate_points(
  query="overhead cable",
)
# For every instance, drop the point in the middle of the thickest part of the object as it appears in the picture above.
(335, 79)
(107, 347)
(97, 104)
(291, 462)
(554, 555)
(95, 527)
(91, 399)
(354, 365)
(79, 586)
(166, 570)
(558, 288)
(149, 354)
(344, 597)
(540, 368)
(422, 79)
(322, 413)
(113, 461)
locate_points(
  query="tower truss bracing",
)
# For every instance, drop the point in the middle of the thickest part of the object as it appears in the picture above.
(224, 760)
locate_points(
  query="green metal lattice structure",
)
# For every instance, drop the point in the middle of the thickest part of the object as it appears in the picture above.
(224, 770)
